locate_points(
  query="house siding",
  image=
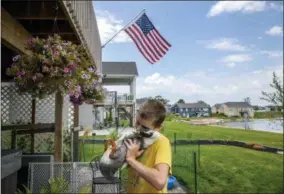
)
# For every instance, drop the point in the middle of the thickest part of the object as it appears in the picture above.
(236, 111)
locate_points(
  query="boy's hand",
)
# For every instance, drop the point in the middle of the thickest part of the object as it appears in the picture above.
(133, 150)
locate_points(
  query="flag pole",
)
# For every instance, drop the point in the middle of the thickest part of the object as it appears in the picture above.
(143, 11)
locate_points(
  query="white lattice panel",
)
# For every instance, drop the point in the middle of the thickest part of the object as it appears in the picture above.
(45, 110)
(15, 107)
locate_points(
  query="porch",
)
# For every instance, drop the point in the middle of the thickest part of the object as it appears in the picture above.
(41, 130)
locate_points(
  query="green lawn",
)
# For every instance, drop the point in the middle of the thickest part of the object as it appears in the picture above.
(209, 132)
(223, 169)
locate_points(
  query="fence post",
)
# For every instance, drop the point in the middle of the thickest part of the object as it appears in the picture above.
(199, 152)
(175, 143)
(13, 139)
(195, 172)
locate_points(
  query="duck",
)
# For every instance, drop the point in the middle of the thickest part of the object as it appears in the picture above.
(114, 157)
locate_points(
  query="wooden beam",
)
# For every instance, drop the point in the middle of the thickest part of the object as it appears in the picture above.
(13, 34)
(31, 131)
(58, 155)
(39, 18)
(48, 33)
(26, 126)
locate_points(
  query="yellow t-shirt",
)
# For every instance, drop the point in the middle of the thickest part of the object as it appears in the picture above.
(157, 153)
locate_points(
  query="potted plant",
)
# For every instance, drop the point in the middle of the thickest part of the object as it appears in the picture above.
(54, 65)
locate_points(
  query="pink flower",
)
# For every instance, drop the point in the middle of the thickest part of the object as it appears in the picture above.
(55, 53)
(66, 70)
(72, 66)
(71, 93)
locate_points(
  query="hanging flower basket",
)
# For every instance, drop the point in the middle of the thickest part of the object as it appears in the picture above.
(54, 65)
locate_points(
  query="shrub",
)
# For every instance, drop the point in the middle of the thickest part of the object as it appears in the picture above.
(268, 115)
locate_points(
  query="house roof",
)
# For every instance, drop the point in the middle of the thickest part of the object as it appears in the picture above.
(217, 105)
(192, 105)
(238, 104)
(119, 68)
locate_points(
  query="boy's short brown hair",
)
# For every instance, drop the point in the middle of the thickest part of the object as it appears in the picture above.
(153, 110)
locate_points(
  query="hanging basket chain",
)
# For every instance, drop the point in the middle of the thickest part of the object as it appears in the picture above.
(55, 26)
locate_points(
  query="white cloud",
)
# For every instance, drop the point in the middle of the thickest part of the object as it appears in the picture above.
(108, 25)
(233, 60)
(231, 65)
(210, 87)
(226, 44)
(272, 53)
(275, 31)
(259, 37)
(236, 6)
(214, 87)
(276, 6)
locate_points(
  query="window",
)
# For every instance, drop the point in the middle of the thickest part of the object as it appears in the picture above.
(181, 110)
(205, 109)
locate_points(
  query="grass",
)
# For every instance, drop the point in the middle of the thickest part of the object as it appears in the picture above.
(226, 169)
(223, 169)
(210, 132)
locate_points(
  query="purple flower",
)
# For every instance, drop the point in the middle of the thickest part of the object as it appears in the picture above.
(95, 81)
(84, 76)
(67, 83)
(91, 69)
(79, 89)
(100, 80)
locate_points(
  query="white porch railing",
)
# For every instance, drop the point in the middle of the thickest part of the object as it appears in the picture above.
(121, 98)
(83, 19)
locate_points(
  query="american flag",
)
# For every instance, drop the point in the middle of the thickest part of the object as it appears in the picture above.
(147, 38)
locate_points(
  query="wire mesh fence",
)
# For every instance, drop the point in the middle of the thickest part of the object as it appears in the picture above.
(60, 177)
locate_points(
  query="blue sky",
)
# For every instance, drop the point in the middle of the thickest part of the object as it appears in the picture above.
(221, 51)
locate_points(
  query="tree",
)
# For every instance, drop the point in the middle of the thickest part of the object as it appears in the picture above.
(161, 99)
(201, 101)
(181, 101)
(275, 97)
(247, 99)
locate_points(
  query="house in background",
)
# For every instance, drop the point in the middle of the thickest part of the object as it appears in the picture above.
(216, 109)
(115, 74)
(231, 109)
(191, 109)
(168, 108)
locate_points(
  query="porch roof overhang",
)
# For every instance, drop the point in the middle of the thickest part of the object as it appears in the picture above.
(112, 79)
(119, 73)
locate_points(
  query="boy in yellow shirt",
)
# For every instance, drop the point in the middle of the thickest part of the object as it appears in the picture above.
(149, 173)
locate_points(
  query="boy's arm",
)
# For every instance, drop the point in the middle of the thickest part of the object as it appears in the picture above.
(156, 176)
